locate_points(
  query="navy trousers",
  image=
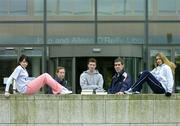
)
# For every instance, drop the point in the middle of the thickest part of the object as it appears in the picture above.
(153, 83)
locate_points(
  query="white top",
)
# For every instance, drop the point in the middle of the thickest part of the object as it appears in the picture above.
(21, 76)
(164, 75)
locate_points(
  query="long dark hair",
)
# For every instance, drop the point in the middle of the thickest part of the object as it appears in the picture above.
(22, 57)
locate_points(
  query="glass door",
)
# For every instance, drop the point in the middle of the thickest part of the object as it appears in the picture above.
(8, 61)
(105, 65)
(35, 60)
(177, 71)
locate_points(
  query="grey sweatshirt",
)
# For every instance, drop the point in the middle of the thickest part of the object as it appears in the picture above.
(92, 81)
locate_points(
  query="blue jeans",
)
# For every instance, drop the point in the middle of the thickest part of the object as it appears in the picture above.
(153, 83)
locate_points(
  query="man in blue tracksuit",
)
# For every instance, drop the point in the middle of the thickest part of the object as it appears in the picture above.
(121, 81)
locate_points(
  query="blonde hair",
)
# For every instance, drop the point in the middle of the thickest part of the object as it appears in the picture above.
(166, 61)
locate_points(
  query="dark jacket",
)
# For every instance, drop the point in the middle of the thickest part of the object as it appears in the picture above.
(62, 82)
(120, 83)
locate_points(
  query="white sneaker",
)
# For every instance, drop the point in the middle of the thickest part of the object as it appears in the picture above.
(128, 91)
(6, 94)
(14, 92)
(65, 91)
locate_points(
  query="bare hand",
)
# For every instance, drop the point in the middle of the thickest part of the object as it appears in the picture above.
(120, 93)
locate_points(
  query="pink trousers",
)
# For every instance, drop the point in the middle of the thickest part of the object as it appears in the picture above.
(36, 84)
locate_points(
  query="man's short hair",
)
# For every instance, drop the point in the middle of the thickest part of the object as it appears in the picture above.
(92, 60)
(59, 68)
(119, 59)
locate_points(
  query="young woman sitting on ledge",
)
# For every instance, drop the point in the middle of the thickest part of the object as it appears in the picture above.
(25, 86)
(160, 79)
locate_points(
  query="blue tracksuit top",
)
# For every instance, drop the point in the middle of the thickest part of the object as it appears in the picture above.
(120, 83)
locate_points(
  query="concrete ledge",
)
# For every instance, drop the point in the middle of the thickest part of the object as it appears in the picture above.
(90, 110)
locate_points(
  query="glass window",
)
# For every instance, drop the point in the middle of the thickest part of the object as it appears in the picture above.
(13, 7)
(18, 7)
(35, 60)
(139, 7)
(163, 33)
(150, 8)
(135, 7)
(133, 67)
(8, 61)
(83, 7)
(3, 7)
(119, 7)
(178, 6)
(38, 7)
(51, 7)
(65, 7)
(21, 33)
(104, 7)
(70, 33)
(166, 7)
(120, 33)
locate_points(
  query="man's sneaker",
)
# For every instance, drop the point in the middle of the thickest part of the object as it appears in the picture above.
(131, 92)
(65, 91)
(136, 92)
(128, 91)
(14, 91)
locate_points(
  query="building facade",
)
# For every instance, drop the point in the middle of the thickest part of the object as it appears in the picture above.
(68, 32)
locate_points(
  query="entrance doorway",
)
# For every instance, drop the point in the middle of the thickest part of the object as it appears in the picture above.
(105, 65)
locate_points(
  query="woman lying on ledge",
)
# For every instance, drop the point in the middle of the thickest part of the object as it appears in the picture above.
(160, 79)
(25, 86)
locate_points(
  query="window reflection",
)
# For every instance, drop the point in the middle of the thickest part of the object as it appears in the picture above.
(3, 7)
(18, 7)
(167, 6)
(84, 9)
(119, 33)
(139, 7)
(13, 7)
(23, 33)
(161, 33)
(121, 7)
(70, 33)
(38, 7)
(52, 7)
(65, 7)
(104, 7)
